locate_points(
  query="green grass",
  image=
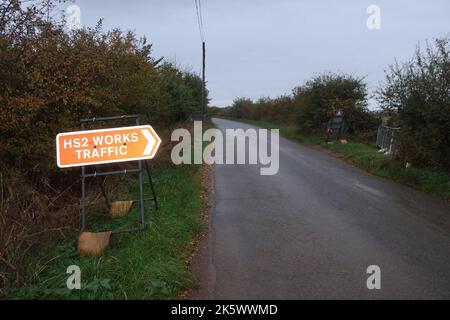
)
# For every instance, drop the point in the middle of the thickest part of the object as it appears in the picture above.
(367, 157)
(148, 265)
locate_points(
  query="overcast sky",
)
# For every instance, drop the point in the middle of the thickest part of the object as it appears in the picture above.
(267, 47)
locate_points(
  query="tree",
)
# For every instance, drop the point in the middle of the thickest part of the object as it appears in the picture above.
(181, 94)
(322, 96)
(416, 93)
(240, 107)
(50, 78)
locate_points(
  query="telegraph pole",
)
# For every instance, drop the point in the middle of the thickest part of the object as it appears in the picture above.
(198, 7)
(203, 82)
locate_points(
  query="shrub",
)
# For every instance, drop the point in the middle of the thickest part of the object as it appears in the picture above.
(50, 78)
(416, 94)
(311, 106)
(322, 96)
(241, 107)
(181, 94)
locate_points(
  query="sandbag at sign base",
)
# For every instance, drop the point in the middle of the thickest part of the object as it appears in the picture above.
(120, 208)
(92, 244)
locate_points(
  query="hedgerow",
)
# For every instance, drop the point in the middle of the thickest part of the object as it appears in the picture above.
(50, 78)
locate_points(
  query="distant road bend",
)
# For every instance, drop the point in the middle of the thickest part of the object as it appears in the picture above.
(311, 231)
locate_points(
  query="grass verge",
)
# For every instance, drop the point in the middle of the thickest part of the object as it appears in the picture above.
(367, 157)
(148, 265)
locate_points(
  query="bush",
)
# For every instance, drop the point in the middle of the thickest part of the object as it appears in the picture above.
(311, 106)
(241, 108)
(51, 78)
(416, 94)
(182, 92)
(322, 96)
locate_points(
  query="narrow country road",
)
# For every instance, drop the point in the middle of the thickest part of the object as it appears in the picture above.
(312, 230)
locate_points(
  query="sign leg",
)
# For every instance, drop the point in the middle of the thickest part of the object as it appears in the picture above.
(152, 187)
(83, 201)
(141, 193)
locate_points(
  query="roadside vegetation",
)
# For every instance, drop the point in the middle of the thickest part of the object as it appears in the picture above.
(151, 265)
(51, 78)
(415, 96)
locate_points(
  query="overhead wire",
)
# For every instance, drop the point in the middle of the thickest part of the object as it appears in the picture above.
(199, 19)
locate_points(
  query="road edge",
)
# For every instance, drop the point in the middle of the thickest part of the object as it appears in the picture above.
(201, 264)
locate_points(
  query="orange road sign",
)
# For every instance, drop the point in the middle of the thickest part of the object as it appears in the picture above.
(89, 147)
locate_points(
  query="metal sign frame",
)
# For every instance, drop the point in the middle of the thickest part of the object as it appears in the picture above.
(142, 164)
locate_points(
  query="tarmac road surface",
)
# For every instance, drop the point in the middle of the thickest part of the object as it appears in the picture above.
(312, 230)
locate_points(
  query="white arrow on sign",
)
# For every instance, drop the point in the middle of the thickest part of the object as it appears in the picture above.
(151, 142)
